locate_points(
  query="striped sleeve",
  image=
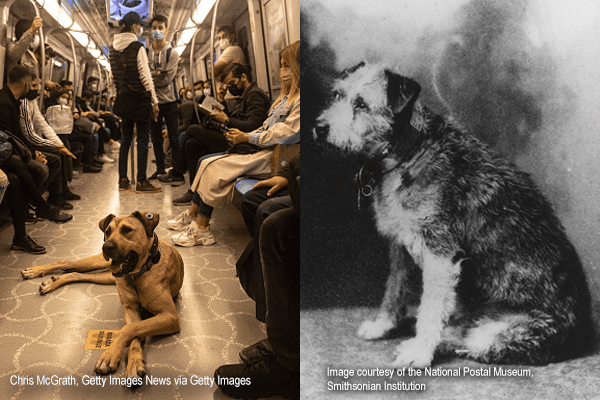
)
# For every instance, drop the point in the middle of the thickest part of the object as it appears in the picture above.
(27, 115)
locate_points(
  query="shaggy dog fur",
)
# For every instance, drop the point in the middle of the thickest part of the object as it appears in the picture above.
(501, 281)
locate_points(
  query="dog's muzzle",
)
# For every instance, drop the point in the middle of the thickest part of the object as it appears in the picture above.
(127, 262)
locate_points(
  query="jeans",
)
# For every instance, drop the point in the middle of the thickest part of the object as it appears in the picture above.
(143, 131)
(170, 112)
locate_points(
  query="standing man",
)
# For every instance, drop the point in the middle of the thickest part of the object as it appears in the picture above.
(163, 64)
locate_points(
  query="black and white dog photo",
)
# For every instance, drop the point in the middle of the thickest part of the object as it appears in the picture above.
(444, 141)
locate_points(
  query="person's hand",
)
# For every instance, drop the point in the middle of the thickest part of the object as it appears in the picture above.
(236, 136)
(219, 115)
(75, 115)
(96, 126)
(64, 151)
(39, 157)
(155, 111)
(37, 23)
(277, 183)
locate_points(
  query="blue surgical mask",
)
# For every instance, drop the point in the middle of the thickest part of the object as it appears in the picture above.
(157, 35)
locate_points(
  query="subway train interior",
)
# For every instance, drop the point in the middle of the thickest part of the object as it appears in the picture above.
(179, 311)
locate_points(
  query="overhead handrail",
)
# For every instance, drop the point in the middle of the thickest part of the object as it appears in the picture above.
(76, 72)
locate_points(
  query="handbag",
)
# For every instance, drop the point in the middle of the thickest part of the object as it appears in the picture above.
(243, 148)
(5, 147)
(19, 148)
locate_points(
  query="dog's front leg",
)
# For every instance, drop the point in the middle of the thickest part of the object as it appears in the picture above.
(393, 306)
(438, 302)
(110, 359)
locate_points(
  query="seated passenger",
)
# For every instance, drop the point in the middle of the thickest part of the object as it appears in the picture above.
(84, 107)
(250, 112)
(272, 365)
(217, 175)
(61, 118)
(41, 137)
(17, 164)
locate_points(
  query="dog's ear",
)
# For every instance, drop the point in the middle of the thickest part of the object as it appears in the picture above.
(150, 221)
(105, 221)
(402, 92)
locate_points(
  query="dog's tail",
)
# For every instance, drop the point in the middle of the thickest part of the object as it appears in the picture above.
(528, 338)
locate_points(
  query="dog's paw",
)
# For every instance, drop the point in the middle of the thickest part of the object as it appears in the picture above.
(50, 284)
(413, 353)
(135, 368)
(108, 361)
(377, 329)
(32, 272)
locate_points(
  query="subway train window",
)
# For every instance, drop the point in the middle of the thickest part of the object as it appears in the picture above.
(149, 186)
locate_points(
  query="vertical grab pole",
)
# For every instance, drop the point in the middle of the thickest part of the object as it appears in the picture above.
(100, 85)
(132, 156)
(192, 74)
(43, 55)
(76, 74)
(212, 47)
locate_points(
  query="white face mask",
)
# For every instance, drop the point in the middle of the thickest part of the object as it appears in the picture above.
(188, 95)
(141, 32)
(88, 103)
(224, 43)
(199, 93)
(62, 101)
(35, 43)
(207, 92)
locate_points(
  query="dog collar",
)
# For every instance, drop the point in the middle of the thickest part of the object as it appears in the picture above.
(153, 258)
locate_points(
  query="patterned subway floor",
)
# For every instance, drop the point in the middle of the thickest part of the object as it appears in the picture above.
(42, 337)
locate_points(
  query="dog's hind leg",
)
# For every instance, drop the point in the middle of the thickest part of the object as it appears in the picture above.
(55, 282)
(393, 306)
(438, 303)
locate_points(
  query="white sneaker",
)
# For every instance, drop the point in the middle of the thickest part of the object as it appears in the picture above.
(181, 221)
(105, 159)
(192, 235)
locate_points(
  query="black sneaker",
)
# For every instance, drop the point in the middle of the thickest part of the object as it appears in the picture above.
(27, 244)
(54, 215)
(91, 169)
(124, 184)
(184, 199)
(146, 187)
(71, 196)
(170, 177)
(265, 378)
(60, 203)
(156, 175)
(258, 349)
(30, 218)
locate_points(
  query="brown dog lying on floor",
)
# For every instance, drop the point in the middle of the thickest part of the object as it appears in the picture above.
(148, 273)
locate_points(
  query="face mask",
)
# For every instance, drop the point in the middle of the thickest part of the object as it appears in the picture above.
(36, 42)
(206, 92)
(286, 75)
(199, 93)
(140, 33)
(224, 43)
(188, 95)
(236, 91)
(62, 101)
(157, 35)
(88, 103)
(32, 94)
